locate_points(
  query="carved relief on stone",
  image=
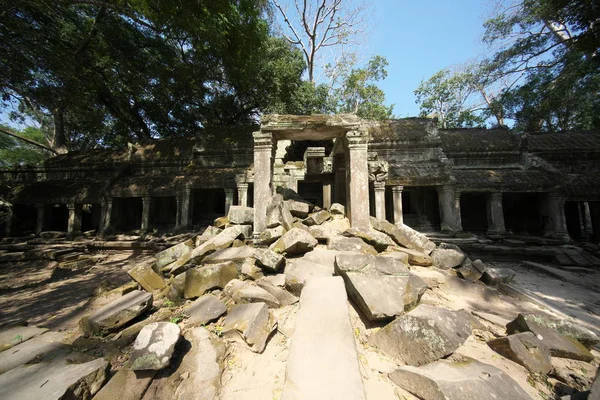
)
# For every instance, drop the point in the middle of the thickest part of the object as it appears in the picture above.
(378, 170)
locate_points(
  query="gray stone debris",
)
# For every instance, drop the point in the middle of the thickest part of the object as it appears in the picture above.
(18, 334)
(382, 287)
(148, 279)
(221, 241)
(154, 346)
(317, 218)
(423, 335)
(126, 385)
(471, 270)
(351, 244)
(269, 260)
(322, 362)
(524, 349)
(447, 256)
(203, 310)
(173, 253)
(297, 272)
(595, 389)
(235, 254)
(337, 209)
(116, 314)
(240, 215)
(250, 270)
(379, 240)
(294, 241)
(414, 257)
(201, 279)
(46, 346)
(548, 329)
(297, 208)
(253, 322)
(271, 235)
(404, 236)
(460, 378)
(243, 292)
(284, 297)
(495, 276)
(66, 377)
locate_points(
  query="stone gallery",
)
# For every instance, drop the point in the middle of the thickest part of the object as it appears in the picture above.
(318, 257)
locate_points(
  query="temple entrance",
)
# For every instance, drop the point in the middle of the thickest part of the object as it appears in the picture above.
(24, 219)
(473, 211)
(56, 218)
(421, 208)
(163, 213)
(207, 205)
(574, 219)
(522, 213)
(311, 192)
(127, 213)
(90, 217)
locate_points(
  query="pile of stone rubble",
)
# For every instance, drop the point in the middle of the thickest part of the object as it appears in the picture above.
(222, 286)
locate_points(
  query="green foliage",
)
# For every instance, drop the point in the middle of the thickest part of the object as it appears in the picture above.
(14, 152)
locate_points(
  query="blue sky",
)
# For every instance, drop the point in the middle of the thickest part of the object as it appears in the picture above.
(420, 37)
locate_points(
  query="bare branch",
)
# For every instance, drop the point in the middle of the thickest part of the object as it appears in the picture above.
(26, 140)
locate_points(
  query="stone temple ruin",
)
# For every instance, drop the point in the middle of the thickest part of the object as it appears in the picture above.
(310, 258)
(405, 171)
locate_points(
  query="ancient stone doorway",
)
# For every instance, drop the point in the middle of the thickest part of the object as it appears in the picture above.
(207, 204)
(522, 213)
(312, 192)
(421, 208)
(24, 219)
(56, 217)
(163, 213)
(473, 211)
(127, 213)
(90, 217)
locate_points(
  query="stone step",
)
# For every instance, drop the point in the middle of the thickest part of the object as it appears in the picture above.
(323, 361)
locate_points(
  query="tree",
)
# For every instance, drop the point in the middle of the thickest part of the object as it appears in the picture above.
(315, 25)
(16, 152)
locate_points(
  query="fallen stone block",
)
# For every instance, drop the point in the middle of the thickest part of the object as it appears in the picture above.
(525, 349)
(379, 240)
(317, 218)
(67, 377)
(201, 279)
(352, 244)
(128, 335)
(253, 322)
(423, 335)
(298, 272)
(147, 278)
(205, 309)
(284, 297)
(221, 222)
(232, 254)
(126, 385)
(595, 389)
(414, 257)
(240, 215)
(495, 276)
(271, 235)
(469, 272)
(404, 236)
(337, 209)
(294, 241)
(297, 208)
(244, 292)
(398, 255)
(553, 333)
(273, 212)
(250, 270)
(174, 253)
(154, 346)
(447, 256)
(42, 347)
(461, 378)
(323, 362)
(18, 334)
(116, 314)
(210, 231)
(269, 260)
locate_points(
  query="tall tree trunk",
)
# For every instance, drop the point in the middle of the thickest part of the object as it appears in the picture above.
(59, 139)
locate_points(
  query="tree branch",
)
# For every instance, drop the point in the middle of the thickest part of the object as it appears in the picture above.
(26, 140)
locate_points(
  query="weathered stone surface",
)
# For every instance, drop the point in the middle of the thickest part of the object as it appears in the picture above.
(447, 256)
(317, 218)
(240, 215)
(297, 208)
(495, 276)
(250, 270)
(154, 346)
(126, 385)
(322, 361)
(243, 292)
(295, 241)
(423, 335)
(337, 209)
(382, 287)
(414, 257)
(205, 309)
(46, 346)
(284, 297)
(560, 336)
(116, 314)
(270, 235)
(221, 222)
(299, 271)
(269, 260)
(173, 253)
(458, 379)
(398, 255)
(234, 254)
(253, 322)
(18, 334)
(595, 389)
(273, 215)
(67, 377)
(210, 231)
(469, 272)
(524, 349)
(220, 241)
(276, 280)
(380, 241)
(201, 279)
(353, 244)
(404, 235)
(147, 278)
(128, 335)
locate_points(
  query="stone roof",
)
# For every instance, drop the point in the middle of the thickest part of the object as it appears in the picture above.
(418, 174)
(406, 129)
(146, 185)
(582, 184)
(513, 179)
(63, 191)
(567, 141)
(479, 140)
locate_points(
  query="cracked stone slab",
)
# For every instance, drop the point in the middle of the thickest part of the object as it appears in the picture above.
(18, 334)
(205, 309)
(253, 322)
(154, 346)
(46, 346)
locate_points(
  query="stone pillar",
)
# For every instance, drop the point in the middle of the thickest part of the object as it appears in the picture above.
(557, 226)
(39, 222)
(357, 177)
(495, 214)
(242, 194)
(178, 212)
(107, 215)
(185, 208)
(326, 194)
(145, 214)
(397, 200)
(587, 215)
(74, 221)
(379, 188)
(340, 185)
(228, 200)
(9, 219)
(448, 209)
(263, 149)
(457, 217)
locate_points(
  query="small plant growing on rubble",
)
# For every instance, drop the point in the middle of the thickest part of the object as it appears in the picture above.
(177, 319)
(18, 338)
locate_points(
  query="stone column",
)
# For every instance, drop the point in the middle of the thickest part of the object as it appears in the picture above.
(185, 208)
(228, 200)
(397, 199)
(145, 213)
(557, 226)
(178, 212)
(326, 194)
(9, 219)
(106, 220)
(495, 214)
(340, 185)
(379, 188)
(39, 222)
(587, 215)
(448, 209)
(357, 178)
(74, 221)
(263, 149)
(242, 194)
(457, 217)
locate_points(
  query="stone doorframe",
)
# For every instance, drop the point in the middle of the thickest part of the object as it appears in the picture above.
(352, 138)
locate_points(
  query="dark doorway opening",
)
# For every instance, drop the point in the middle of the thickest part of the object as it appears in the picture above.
(421, 208)
(311, 192)
(574, 220)
(595, 214)
(163, 213)
(522, 213)
(90, 217)
(473, 212)
(127, 213)
(56, 218)
(24, 219)
(207, 205)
